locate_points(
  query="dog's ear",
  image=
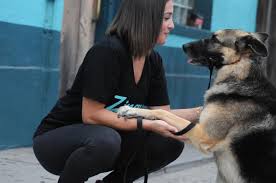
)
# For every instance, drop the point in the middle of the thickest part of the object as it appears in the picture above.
(262, 36)
(254, 43)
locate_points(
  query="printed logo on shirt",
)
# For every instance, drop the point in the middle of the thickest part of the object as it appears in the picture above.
(122, 101)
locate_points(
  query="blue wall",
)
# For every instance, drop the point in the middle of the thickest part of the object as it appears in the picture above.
(36, 13)
(235, 14)
(186, 83)
(29, 71)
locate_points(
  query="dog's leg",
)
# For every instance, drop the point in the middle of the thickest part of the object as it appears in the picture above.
(219, 179)
(198, 136)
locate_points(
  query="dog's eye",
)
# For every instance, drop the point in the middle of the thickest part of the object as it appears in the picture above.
(215, 39)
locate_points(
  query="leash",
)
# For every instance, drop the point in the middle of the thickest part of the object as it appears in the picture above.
(192, 125)
(212, 64)
(211, 68)
(143, 147)
(185, 130)
(143, 135)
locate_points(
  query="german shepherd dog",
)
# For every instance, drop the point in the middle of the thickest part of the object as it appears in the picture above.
(238, 120)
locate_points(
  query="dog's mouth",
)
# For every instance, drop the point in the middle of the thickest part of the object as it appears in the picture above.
(210, 62)
(198, 61)
(196, 55)
(191, 61)
(206, 60)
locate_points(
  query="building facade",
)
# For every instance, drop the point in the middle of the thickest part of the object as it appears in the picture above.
(29, 66)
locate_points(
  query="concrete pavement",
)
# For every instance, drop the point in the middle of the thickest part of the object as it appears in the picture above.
(20, 166)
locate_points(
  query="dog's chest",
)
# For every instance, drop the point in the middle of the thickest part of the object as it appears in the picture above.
(228, 169)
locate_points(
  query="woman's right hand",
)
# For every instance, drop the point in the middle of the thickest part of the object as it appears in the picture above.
(160, 127)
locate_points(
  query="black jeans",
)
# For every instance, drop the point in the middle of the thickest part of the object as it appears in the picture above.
(80, 151)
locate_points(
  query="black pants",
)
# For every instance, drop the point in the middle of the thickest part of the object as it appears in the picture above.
(80, 151)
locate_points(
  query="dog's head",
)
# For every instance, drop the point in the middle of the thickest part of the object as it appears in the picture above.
(226, 47)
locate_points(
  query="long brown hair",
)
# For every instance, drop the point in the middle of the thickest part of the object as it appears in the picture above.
(138, 23)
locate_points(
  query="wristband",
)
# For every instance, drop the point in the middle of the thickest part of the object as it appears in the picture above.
(139, 123)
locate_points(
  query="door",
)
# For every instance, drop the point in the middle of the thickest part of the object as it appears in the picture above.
(108, 11)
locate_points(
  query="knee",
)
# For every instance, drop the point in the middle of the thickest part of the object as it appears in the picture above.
(110, 145)
(107, 143)
(172, 148)
(102, 151)
(175, 148)
(110, 141)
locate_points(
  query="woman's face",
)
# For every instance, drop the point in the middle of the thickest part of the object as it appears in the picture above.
(167, 24)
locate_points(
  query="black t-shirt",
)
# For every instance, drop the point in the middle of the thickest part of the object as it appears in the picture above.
(106, 75)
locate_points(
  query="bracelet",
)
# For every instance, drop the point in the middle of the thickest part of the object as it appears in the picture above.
(139, 123)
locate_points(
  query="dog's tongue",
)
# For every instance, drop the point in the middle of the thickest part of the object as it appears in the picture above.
(190, 61)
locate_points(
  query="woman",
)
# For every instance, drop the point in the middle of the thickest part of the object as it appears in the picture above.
(82, 135)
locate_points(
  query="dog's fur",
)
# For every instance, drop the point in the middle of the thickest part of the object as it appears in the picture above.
(238, 121)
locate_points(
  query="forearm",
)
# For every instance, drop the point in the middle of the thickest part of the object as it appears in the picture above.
(94, 112)
(191, 114)
(110, 119)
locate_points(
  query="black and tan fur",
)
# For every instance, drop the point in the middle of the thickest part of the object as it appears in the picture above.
(238, 121)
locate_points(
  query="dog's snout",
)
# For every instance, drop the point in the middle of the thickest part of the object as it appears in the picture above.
(205, 41)
(186, 47)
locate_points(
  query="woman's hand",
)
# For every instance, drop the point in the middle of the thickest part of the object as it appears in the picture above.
(160, 127)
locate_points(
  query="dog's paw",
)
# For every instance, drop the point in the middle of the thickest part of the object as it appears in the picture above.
(127, 112)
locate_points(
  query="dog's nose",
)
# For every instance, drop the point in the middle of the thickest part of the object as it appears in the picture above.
(185, 47)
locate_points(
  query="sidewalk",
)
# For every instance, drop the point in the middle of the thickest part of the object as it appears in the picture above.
(20, 166)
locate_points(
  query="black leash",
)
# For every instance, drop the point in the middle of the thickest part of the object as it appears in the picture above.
(192, 125)
(211, 68)
(144, 135)
(127, 165)
(185, 130)
(144, 149)
(146, 171)
(141, 147)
